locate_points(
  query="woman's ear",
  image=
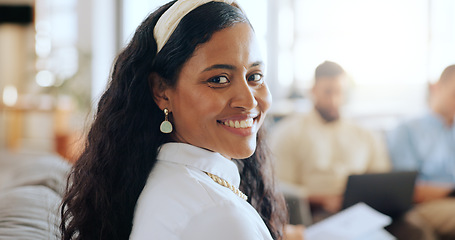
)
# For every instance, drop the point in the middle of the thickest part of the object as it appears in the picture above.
(158, 88)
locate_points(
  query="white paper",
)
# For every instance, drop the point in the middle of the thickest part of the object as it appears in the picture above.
(381, 234)
(358, 222)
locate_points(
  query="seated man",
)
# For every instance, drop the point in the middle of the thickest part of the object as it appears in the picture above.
(427, 144)
(319, 150)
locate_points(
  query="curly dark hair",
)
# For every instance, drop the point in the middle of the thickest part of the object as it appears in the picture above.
(123, 141)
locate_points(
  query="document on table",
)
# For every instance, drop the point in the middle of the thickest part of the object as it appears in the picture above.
(359, 222)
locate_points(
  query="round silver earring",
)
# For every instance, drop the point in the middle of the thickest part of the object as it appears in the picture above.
(166, 126)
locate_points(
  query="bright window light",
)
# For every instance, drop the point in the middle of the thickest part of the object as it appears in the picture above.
(9, 95)
(45, 78)
(391, 49)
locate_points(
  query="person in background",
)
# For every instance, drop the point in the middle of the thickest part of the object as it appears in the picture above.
(176, 150)
(427, 144)
(317, 151)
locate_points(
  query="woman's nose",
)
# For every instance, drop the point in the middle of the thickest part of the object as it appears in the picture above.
(243, 96)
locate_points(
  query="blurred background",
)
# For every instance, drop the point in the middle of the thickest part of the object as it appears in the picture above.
(56, 55)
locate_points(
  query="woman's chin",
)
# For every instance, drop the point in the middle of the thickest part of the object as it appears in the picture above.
(245, 151)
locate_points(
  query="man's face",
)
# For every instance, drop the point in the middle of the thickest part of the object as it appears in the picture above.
(328, 94)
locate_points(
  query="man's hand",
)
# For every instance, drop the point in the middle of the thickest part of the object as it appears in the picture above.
(293, 232)
(330, 203)
(425, 192)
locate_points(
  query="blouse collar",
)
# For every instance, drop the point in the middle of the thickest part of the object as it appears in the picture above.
(202, 159)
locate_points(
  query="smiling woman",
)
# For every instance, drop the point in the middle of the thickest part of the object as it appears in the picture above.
(222, 83)
(193, 68)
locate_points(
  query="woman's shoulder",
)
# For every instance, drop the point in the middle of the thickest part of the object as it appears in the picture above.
(225, 221)
(171, 181)
(174, 194)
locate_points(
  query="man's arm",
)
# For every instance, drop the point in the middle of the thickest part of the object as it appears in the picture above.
(425, 192)
(401, 149)
(404, 157)
(284, 144)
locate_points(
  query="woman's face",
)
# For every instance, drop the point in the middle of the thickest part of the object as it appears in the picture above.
(221, 99)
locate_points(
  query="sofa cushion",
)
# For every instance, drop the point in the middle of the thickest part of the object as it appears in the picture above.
(31, 170)
(29, 212)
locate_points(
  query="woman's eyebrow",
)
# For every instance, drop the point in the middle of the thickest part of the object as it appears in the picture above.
(220, 66)
(258, 63)
(230, 67)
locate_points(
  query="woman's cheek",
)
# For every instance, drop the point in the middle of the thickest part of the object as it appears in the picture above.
(264, 98)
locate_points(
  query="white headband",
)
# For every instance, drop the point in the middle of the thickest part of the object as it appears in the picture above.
(171, 18)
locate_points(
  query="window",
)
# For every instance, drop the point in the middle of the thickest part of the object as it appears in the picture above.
(391, 49)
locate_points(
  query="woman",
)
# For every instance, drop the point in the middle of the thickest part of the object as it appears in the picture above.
(175, 131)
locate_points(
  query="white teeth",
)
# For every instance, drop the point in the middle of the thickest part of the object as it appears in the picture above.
(243, 124)
(247, 123)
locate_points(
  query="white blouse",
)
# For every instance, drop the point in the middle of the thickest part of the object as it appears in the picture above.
(180, 201)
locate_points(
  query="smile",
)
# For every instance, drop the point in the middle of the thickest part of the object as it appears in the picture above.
(247, 123)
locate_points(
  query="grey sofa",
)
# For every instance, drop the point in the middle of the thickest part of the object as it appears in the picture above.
(31, 189)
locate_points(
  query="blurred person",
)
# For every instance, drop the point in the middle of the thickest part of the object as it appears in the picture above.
(176, 150)
(317, 151)
(427, 144)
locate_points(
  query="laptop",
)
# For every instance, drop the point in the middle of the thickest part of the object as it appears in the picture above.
(389, 193)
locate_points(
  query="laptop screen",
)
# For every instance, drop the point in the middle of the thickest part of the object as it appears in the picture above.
(389, 193)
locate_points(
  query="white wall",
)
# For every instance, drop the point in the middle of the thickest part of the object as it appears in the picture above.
(104, 43)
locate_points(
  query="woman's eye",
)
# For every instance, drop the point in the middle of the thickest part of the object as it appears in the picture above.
(219, 80)
(255, 77)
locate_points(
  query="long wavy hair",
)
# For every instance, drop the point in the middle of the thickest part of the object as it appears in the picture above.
(123, 141)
